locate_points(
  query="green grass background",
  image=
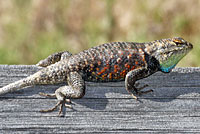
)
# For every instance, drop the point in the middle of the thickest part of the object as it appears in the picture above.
(30, 30)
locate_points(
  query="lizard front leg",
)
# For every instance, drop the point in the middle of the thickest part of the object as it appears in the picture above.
(51, 59)
(74, 90)
(132, 77)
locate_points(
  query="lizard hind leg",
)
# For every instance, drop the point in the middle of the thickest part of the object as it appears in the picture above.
(53, 58)
(74, 90)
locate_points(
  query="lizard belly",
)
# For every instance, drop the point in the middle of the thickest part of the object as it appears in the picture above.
(112, 70)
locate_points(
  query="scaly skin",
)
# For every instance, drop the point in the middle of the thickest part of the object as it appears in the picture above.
(109, 62)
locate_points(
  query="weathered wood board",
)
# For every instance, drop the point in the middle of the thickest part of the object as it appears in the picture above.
(173, 107)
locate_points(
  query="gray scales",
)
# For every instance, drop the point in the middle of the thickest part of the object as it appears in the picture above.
(173, 107)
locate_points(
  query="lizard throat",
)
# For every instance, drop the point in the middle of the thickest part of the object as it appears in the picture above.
(167, 69)
(168, 64)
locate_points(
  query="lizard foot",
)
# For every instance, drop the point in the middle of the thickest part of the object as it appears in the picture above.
(60, 104)
(140, 93)
(138, 90)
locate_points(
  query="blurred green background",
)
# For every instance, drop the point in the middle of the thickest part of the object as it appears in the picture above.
(30, 30)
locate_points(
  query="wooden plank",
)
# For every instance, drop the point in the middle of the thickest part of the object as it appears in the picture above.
(173, 107)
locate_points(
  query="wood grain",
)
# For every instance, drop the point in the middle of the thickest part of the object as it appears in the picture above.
(173, 107)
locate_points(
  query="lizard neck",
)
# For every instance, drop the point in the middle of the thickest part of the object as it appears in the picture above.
(152, 64)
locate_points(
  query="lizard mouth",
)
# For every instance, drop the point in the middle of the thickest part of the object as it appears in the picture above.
(190, 46)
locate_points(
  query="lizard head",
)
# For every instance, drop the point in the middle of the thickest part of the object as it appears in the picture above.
(170, 51)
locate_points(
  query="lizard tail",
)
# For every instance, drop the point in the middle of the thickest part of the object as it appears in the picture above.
(16, 85)
(42, 77)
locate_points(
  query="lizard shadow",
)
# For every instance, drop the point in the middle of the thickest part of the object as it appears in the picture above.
(167, 94)
(88, 101)
(167, 87)
(99, 95)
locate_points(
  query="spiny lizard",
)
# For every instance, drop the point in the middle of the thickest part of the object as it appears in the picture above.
(110, 62)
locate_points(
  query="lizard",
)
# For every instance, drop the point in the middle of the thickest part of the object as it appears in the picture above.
(109, 62)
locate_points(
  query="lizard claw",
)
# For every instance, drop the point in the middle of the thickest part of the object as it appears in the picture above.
(134, 97)
(61, 104)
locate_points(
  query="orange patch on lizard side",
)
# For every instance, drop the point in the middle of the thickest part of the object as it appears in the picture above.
(116, 68)
(110, 75)
(129, 56)
(123, 73)
(103, 70)
(133, 67)
(127, 66)
(103, 76)
(143, 59)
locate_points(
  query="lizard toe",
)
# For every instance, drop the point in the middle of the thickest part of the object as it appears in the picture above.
(60, 104)
(142, 87)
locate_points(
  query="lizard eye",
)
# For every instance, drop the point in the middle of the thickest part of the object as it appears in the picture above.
(178, 41)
